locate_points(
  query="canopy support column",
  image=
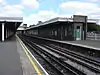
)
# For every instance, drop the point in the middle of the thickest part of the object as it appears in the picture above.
(3, 31)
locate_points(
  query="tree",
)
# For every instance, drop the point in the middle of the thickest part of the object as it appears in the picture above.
(93, 27)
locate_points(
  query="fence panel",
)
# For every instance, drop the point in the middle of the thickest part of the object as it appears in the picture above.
(92, 36)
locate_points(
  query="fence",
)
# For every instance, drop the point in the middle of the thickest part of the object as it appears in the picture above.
(93, 36)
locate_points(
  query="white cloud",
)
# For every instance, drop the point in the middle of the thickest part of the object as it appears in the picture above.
(43, 15)
(30, 3)
(80, 8)
(16, 10)
(1, 1)
(83, 7)
(92, 10)
(18, 6)
(11, 10)
(65, 15)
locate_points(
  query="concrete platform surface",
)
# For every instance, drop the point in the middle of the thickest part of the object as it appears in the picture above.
(9, 58)
(92, 43)
(14, 60)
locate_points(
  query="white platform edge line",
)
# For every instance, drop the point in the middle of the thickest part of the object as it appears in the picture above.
(33, 57)
(75, 44)
(85, 46)
(81, 45)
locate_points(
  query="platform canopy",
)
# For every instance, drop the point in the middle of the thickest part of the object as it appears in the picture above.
(11, 22)
(60, 19)
(8, 26)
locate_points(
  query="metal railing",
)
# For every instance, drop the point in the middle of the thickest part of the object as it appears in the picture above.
(93, 36)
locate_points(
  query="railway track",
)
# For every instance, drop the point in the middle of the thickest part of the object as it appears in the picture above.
(66, 61)
(80, 56)
(53, 60)
(86, 67)
(48, 66)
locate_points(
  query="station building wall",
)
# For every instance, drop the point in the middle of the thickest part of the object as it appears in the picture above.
(58, 30)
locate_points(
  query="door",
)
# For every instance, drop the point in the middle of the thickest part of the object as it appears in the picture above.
(78, 33)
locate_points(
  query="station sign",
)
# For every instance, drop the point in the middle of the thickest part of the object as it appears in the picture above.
(79, 18)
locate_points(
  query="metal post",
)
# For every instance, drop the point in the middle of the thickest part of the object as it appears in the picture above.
(86, 28)
(61, 33)
(83, 34)
(2, 31)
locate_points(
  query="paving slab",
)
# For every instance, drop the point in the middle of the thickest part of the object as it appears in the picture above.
(9, 58)
(93, 43)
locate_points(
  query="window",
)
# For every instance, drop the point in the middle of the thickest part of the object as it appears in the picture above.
(52, 33)
(78, 27)
(55, 33)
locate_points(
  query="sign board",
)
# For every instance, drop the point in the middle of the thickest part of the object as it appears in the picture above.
(79, 18)
(78, 24)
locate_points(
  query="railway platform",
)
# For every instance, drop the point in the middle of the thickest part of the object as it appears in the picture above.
(87, 47)
(15, 59)
(92, 44)
(87, 43)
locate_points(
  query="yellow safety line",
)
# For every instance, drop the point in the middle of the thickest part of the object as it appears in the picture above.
(32, 62)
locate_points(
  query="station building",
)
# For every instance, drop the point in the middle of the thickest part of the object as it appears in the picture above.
(62, 28)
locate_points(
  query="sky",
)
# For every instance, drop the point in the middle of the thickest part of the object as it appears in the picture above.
(33, 11)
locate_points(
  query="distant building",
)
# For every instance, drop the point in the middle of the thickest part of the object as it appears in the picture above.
(22, 28)
(39, 22)
(31, 25)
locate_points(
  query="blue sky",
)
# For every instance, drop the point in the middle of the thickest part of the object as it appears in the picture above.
(33, 11)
